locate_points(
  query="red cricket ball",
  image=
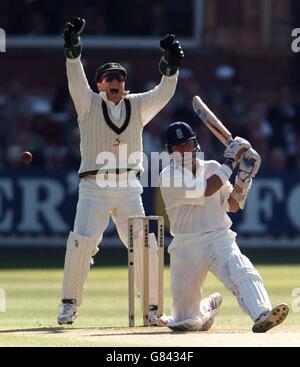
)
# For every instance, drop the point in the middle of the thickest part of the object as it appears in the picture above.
(26, 158)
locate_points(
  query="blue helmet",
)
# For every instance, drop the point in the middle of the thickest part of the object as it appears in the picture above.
(179, 133)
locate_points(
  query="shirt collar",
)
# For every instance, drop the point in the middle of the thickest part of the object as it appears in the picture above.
(110, 103)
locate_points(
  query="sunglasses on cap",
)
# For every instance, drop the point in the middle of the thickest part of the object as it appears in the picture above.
(113, 76)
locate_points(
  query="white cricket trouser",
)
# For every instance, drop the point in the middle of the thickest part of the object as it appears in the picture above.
(193, 255)
(94, 209)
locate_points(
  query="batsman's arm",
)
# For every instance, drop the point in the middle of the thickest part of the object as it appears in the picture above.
(222, 175)
(213, 184)
(234, 205)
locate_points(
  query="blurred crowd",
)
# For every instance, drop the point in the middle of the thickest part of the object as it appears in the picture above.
(118, 17)
(47, 125)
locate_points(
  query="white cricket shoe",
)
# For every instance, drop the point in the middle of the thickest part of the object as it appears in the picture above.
(201, 323)
(215, 301)
(269, 319)
(68, 313)
(186, 325)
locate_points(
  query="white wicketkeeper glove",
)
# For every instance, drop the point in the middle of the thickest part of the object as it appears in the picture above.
(236, 148)
(248, 167)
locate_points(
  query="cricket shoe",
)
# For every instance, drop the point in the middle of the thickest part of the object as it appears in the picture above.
(186, 325)
(68, 312)
(201, 323)
(269, 319)
(214, 303)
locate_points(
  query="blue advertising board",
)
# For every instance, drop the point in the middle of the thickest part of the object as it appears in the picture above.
(37, 207)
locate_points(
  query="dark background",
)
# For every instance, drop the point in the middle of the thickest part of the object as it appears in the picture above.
(243, 67)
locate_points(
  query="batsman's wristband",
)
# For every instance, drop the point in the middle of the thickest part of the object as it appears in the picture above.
(224, 172)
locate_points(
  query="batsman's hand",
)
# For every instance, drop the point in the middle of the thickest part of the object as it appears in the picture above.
(236, 147)
(173, 54)
(72, 32)
(249, 165)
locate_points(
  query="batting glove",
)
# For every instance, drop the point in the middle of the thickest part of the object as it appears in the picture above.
(236, 147)
(248, 167)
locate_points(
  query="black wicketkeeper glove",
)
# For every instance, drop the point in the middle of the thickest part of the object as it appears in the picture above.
(72, 32)
(173, 54)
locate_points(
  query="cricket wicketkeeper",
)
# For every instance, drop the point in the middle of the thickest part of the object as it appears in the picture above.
(203, 240)
(109, 121)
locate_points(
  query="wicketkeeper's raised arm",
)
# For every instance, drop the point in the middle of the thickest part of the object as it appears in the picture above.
(153, 101)
(77, 82)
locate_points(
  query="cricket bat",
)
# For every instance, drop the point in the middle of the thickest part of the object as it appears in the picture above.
(211, 121)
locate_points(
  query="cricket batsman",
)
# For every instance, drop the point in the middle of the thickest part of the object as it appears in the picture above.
(203, 240)
(110, 121)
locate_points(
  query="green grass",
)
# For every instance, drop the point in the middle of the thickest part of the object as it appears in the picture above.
(33, 297)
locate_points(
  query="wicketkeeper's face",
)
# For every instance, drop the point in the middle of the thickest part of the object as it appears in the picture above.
(113, 83)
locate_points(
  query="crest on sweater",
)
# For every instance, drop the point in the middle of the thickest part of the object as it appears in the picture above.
(117, 142)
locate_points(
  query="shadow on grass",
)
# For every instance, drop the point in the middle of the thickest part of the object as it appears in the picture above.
(50, 330)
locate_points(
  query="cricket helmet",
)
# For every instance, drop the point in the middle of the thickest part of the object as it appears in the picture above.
(179, 133)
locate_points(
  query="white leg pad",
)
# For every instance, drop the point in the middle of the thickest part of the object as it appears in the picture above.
(248, 286)
(80, 250)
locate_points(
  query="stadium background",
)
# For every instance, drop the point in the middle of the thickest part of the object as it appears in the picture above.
(238, 57)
